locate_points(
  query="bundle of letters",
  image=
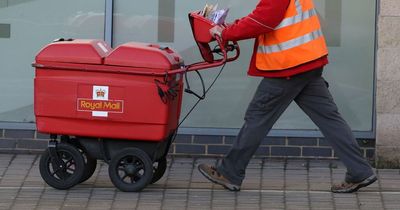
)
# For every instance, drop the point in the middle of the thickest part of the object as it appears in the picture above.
(214, 14)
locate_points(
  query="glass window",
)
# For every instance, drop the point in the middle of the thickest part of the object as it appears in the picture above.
(349, 27)
(25, 27)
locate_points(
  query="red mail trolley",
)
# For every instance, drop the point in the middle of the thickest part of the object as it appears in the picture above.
(119, 105)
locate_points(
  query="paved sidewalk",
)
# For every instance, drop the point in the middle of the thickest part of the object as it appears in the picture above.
(270, 184)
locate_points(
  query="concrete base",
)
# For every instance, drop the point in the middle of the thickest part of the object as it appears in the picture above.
(388, 157)
(388, 80)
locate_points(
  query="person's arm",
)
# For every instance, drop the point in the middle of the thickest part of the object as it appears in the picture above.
(263, 19)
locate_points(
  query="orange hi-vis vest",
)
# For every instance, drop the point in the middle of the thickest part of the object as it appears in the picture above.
(298, 39)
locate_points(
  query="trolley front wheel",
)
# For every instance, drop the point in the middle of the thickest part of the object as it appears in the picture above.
(65, 170)
(159, 168)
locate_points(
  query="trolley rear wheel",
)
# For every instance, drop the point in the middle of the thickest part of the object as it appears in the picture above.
(67, 172)
(159, 168)
(130, 170)
(90, 166)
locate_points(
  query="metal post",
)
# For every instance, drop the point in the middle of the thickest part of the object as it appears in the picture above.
(108, 22)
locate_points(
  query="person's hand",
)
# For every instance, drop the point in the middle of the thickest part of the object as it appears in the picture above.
(216, 31)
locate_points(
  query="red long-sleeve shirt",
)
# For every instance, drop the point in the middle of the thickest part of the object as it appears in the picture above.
(263, 19)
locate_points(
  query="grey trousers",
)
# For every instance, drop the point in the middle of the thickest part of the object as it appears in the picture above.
(273, 95)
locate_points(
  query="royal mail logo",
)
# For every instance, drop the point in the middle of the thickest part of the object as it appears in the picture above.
(100, 105)
(110, 106)
(100, 93)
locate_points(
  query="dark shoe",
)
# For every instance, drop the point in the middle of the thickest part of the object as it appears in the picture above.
(346, 187)
(211, 173)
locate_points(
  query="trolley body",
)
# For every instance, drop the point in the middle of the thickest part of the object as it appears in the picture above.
(84, 88)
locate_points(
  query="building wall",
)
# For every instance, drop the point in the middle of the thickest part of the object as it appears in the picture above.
(30, 141)
(388, 85)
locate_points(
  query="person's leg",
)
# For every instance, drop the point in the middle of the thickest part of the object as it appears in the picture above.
(271, 99)
(316, 101)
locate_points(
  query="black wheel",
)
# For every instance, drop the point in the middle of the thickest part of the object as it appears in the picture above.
(90, 162)
(131, 170)
(90, 166)
(159, 168)
(66, 174)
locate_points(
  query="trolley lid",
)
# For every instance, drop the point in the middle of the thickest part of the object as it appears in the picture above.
(144, 55)
(87, 51)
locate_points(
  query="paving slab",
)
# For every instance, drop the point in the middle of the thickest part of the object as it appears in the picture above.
(269, 184)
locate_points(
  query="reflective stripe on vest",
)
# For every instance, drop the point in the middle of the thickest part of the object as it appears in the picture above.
(296, 40)
(291, 43)
(297, 19)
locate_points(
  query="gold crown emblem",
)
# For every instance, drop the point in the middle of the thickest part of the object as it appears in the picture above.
(100, 93)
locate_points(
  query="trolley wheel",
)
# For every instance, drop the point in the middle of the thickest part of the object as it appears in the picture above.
(90, 166)
(130, 170)
(69, 173)
(159, 168)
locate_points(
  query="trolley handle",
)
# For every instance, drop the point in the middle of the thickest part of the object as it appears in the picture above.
(229, 47)
(222, 50)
